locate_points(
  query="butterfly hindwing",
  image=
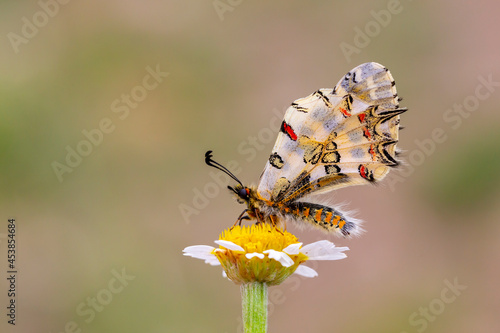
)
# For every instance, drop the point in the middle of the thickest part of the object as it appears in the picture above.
(372, 83)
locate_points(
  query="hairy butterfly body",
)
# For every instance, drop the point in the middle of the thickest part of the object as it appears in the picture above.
(330, 139)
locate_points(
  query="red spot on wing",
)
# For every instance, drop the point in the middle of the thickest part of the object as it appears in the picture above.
(372, 152)
(365, 173)
(362, 171)
(361, 117)
(288, 130)
(366, 133)
(345, 112)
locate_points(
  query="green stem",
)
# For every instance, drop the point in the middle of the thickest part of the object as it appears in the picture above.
(254, 303)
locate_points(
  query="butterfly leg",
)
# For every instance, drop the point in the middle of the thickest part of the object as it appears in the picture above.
(241, 218)
(274, 222)
(258, 216)
(273, 219)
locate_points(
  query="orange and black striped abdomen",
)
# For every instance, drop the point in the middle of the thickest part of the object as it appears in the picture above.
(321, 216)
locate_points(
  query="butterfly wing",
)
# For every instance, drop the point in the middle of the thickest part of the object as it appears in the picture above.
(335, 137)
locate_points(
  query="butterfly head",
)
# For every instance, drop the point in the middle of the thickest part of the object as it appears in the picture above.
(243, 193)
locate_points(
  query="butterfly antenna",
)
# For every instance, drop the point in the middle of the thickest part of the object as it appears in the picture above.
(212, 163)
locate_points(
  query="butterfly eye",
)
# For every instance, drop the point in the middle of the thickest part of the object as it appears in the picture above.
(243, 193)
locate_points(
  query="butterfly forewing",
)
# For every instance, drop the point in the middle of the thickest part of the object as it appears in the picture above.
(335, 137)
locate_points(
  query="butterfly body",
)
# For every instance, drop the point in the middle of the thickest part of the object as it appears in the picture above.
(314, 214)
(330, 139)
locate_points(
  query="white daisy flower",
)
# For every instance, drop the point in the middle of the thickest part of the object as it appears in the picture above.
(262, 253)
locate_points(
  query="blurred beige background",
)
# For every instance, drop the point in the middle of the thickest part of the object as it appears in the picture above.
(224, 71)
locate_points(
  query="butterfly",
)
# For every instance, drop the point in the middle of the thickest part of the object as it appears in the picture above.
(330, 139)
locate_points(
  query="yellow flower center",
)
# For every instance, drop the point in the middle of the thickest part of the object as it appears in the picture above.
(258, 238)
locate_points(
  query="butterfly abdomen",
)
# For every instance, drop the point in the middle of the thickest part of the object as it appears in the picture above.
(320, 216)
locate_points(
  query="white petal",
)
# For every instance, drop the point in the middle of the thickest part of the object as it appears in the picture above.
(203, 252)
(213, 262)
(282, 257)
(254, 254)
(306, 271)
(292, 249)
(324, 250)
(229, 245)
(199, 251)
